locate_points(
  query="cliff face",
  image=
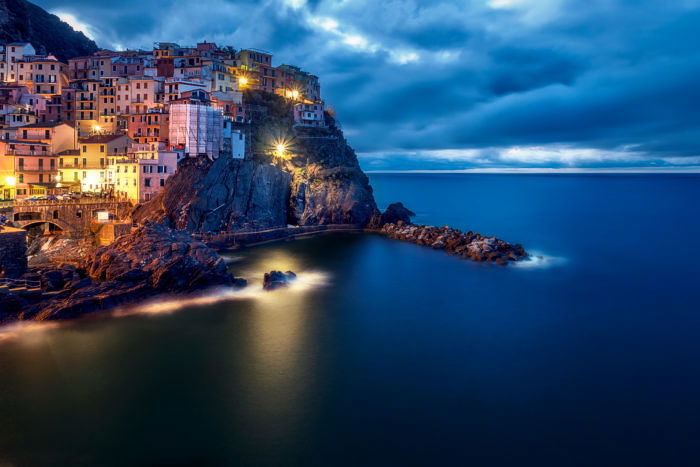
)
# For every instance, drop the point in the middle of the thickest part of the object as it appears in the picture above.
(328, 185)
(318, 181)
(224, 195)
(21, 21)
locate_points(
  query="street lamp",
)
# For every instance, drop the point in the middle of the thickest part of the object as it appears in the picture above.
(280, 150)
(10, 181)
(242, 81)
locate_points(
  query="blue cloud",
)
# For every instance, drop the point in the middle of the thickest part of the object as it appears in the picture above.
(411, 79)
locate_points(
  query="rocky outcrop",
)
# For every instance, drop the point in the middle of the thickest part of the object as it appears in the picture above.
(277, 279)
(468, 245)
(224, 195)
(150, 260)
(46, 250)
(394, 213)
(21, 21)
(328, 185)
(164, 259)
(319, 182)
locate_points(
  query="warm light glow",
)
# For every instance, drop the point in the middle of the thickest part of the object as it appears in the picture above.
(242, 81)
(280, 149)
(97, 128)
(10, 181)
(295, 94)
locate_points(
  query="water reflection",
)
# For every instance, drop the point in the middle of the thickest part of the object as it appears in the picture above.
(280, 340)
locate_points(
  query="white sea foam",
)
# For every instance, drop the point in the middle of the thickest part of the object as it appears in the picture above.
(305, 281)
(232, 259)
(540, 261)
(26, 328)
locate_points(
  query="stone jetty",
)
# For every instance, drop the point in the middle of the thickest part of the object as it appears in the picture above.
(469, 245)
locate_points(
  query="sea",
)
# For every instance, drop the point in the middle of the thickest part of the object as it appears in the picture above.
(386, 353)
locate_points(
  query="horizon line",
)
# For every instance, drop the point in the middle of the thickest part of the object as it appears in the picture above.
(550, 170)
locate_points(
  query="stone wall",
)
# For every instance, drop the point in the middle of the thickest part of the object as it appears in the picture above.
(13, 252)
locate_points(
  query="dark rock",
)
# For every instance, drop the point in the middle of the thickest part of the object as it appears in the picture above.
(132, 275)
(466, 245)
(396, 213)
(276, 279)
(52, 280)
(147, 254)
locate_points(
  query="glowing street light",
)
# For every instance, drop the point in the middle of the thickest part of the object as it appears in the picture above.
(242, 81)
(96, 128)
(10, 181)
(280, 150)
(295, 94)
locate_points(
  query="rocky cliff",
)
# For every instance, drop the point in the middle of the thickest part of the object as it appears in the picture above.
(151, 259)
(328, 185)
(21, 21)
(317, 181)
(224, 195)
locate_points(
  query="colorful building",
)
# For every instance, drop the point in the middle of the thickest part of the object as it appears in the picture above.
(29, 156)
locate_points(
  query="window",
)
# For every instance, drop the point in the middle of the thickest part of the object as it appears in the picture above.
(84, 149)
(147, 182)
(102, 148)
(47, 134)
(162, 182)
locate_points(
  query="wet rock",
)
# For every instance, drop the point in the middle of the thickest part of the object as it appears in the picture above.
(239, 283)
(165, 259)
(52, 280)
(468, 245)
(132, 275)
(276, 279)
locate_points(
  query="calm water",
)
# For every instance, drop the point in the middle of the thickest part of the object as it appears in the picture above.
(387, 353)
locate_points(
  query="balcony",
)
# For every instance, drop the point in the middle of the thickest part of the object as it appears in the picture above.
(28, 152)
(82, 167)
(35, 170)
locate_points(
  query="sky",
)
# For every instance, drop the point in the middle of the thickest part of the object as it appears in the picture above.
(463, 84)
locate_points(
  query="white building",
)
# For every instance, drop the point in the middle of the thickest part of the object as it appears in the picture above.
(233, 143)
(196, 127)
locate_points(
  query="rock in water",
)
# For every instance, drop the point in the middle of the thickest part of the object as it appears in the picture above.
(468, 245)
(276, 279)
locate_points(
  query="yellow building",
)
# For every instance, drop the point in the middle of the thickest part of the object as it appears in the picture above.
(29, 156)
(88, 164)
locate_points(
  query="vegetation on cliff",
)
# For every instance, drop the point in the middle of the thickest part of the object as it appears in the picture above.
(22, 21)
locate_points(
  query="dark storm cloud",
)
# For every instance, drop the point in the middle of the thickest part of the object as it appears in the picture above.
(462, 82)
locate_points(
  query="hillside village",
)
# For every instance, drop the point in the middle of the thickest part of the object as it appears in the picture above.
(116, 124)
